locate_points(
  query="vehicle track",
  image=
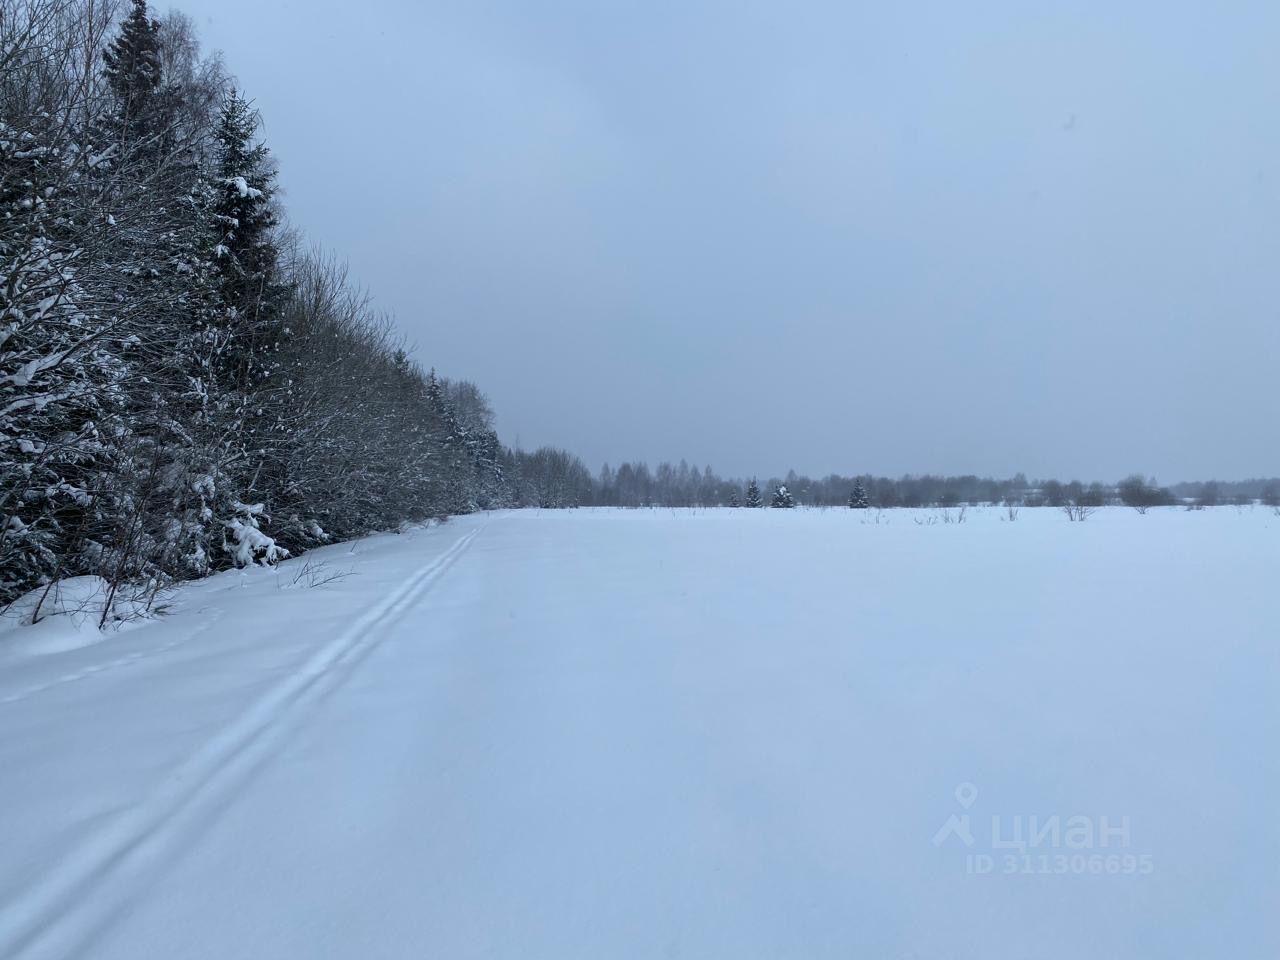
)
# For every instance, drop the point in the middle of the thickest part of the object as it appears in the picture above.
(67, 887)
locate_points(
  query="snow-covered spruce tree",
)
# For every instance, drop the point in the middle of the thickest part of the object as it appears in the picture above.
(782, 497)
(733, 499)
(245, 331)
(858, 496)
(753, 498)
(132, 70)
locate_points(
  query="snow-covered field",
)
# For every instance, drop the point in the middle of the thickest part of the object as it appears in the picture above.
(704, 734)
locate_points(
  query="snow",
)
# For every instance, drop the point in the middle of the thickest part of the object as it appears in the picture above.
(251, 544)
(241, 186)
(54, 618)
(729, 733)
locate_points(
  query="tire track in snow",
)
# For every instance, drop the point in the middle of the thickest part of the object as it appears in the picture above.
(49, 906)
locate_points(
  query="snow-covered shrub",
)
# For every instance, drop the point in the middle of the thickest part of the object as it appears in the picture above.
(246, 543)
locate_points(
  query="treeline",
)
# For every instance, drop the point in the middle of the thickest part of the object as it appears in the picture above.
(182, 386)
(682, 485)
(1214, 492)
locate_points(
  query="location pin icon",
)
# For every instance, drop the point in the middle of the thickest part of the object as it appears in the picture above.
(966, 793)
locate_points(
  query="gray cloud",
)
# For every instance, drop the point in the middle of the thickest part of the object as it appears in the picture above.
(884, 237)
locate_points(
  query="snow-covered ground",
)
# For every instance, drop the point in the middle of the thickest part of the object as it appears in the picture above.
(695, 734)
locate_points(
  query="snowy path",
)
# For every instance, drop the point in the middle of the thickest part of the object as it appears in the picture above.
(729, 734)
(208, 773)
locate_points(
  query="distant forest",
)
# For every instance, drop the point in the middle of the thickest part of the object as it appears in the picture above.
(562, 480)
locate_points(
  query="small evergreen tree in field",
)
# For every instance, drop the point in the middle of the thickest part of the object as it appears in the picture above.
(753, 494)
(782, 497)
(858, 497)
(733, 500)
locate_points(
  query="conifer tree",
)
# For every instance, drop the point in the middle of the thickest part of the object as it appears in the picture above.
(782, 497)
(244, 317)
(132, 61)
(753, 498)
(858, 496)
(244, 219)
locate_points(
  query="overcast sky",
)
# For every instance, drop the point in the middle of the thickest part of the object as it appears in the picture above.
(847, 236)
